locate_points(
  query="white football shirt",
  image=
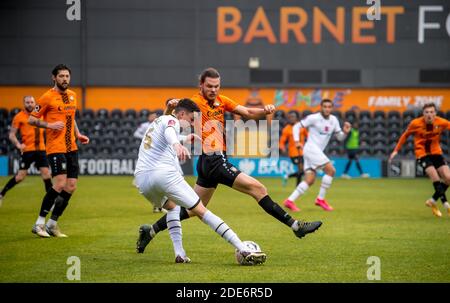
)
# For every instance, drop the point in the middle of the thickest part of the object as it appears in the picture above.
(155, 152)
(320, 130)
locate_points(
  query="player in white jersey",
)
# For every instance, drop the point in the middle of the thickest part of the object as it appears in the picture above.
(321, 127)
(159, 178)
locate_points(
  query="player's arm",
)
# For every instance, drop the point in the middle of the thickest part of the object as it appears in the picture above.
(172, 139)
(296, 133)
(254, 113)
(14, 140)
(170, 106)
(341, 134)
(58, 125)
(83, 139)
(400, 142)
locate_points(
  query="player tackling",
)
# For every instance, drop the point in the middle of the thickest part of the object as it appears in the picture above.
(159, 178)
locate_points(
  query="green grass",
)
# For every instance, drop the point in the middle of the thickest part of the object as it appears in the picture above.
(384, 218)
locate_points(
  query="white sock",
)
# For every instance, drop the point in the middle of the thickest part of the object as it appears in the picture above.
(295, 226)
(326, 183)
(223, 230)
(446, 205)
(40, 220)
(174, 227)
(298, 191)
(51, 223)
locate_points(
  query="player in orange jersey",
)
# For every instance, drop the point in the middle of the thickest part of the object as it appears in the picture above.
(58, 107)
(294, 153)
(427, 134)
(213, 167)
(32, 147)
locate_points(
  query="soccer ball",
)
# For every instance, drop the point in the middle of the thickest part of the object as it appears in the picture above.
(251, 246)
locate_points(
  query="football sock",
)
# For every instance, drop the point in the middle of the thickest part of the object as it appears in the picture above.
(437, 190)
(175, 231)
(446, 205)
(223, 230)
(300, 190)
(60, 205)
(51, 223)
(11, 183)
(443, 190)
(161, 224)
(48, 201)
(40, 220)
(48, 184)
(326, 183)
(275, 211)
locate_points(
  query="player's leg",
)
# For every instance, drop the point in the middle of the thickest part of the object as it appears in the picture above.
(59, 181)
(175, 231)
(19, 177)
(302, 187)
(249, 185)
(26, 159)
(444, 173)
(350, 157)
(224, 231)
(432, 173)
(64, 196)
(327, 179)
(42, 163)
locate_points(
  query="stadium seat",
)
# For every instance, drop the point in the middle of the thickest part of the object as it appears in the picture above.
(159, 112)
(116, 114)
(143, 113)
(279, 114)
(87, 114)
(3, 113)
(228, 116)
(350, 115)
(379, 114)
(14, 112)
(103, 113)
(447, 115)
(130, 114)
(394, 115)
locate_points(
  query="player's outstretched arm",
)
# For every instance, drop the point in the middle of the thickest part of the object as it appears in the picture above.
(254, 113)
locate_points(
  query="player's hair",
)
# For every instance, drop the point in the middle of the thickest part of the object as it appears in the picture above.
(326, 101)
(296, 113)
(60, 67)
(427, 105)
(187, 105)
(27, 96)
(208, 73)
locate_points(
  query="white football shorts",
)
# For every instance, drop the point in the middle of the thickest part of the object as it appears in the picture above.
(313, 157)
(157, 186)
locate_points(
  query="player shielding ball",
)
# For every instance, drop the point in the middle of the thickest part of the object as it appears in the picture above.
(427, 132)
(160, 179)
(321, 127)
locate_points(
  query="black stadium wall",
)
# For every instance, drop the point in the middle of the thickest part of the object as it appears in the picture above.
(165, 42)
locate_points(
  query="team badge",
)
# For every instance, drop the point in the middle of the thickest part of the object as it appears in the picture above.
(71, 98)
(171, 123)
(63, 165)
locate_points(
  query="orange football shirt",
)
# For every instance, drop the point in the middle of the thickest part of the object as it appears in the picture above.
(426, 136)
(287, 135)
(31, 136)
(55, 106)
(213, 121)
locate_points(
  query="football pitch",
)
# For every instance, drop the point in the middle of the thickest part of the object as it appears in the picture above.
(384, 218)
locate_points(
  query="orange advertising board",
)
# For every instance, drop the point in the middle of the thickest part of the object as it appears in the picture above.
(285, 99)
